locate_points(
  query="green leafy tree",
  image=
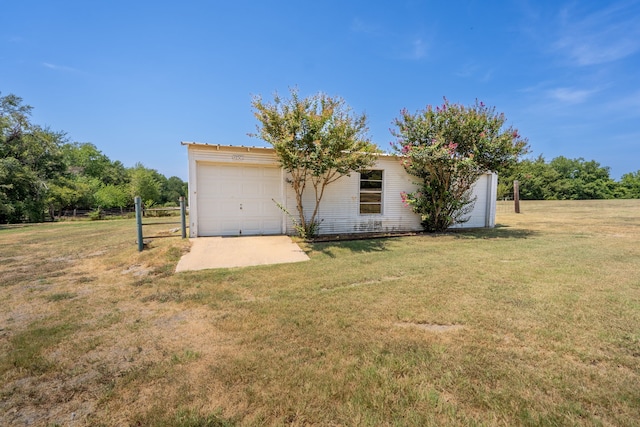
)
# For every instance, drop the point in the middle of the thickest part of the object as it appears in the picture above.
(174, 189)
(317, 141)
(630, 185)
(447, 148)
(534, 177)
(84, 159)
(71, 192)
(562, 179)
(30, 157)
(144, 183)
(113, 196)
(162, 187)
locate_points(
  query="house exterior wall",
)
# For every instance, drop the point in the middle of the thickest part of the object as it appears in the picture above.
(339, 210)
(484, 208)
(340, 207)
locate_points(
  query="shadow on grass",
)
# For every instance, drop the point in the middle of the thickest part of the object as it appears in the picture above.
(362, 245)
(499, 232)
(379, 243)
(14, 226)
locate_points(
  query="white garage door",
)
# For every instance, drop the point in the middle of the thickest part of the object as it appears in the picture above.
(237, 200)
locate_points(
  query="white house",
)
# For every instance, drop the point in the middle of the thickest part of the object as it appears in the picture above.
(232, 191)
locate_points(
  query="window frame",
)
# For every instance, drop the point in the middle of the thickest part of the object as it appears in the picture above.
(371, 189)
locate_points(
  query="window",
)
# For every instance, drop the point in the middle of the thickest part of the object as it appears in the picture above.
(371, 192)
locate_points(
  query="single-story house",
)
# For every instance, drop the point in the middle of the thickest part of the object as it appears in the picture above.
(233, 190)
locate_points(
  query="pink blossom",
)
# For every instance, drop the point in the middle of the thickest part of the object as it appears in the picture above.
(404, 197)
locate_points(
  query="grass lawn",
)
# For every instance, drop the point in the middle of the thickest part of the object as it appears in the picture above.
(535, 322)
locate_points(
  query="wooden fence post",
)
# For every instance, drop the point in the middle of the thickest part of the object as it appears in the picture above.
(516, 195)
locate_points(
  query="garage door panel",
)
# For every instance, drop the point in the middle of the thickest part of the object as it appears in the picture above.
(272, 226)
(228, 208)
(252, 189)
(252, 173)
(229, 227)
(234, 200)
(269, 208)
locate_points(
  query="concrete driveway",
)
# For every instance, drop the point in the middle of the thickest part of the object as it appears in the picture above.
(226, 252)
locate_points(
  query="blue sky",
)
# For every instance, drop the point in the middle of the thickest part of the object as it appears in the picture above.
(137, 77)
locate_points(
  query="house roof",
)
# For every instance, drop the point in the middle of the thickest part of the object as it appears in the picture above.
(252, 147)
(221, 146)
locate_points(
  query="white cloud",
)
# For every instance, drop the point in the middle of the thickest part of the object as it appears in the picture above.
(58, 67)
(569, 95)
(419, 48)
(625, 106)
(394, 44)
(475, 71)
(360, 26)
(603, 36)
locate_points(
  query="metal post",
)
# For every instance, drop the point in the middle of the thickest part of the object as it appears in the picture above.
(183, 217)
(138, 203)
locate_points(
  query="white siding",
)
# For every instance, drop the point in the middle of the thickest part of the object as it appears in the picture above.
(340, 207)
(485, 193)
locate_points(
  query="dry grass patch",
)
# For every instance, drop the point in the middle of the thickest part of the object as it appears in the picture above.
(532, 323)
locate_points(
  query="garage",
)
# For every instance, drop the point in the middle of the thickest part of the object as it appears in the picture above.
(237, 199)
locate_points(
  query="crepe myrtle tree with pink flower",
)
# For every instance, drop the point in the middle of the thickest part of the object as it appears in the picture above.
(317, 140)
(447, 148)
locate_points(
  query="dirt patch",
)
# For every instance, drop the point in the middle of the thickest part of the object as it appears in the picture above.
(431, 327)
(136, 270)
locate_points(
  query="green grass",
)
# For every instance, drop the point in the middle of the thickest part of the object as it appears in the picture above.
(61, 296)
(545, 309)
(26, 353)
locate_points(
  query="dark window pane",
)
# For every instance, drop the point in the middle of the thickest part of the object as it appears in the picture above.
(370, 184)
(370, 209)
(370, 197)
(374, 174)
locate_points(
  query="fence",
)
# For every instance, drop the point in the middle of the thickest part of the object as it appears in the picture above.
(140, 224)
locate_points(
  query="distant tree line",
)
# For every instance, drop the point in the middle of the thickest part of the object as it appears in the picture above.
(42, 174)
(567, 179)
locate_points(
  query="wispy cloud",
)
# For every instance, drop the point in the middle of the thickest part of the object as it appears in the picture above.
(625, 106)
(404, 46)
(59, 67)
(475, 71)
(360, 26)
(603, 36)
(420, 48)
(569, 95)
